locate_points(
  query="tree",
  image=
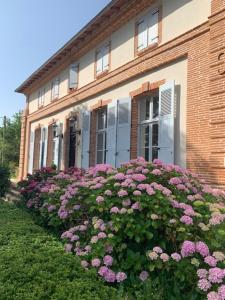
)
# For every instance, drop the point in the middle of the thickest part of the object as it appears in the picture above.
(10, 142)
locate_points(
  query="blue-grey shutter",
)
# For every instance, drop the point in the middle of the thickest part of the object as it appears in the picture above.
(111, 133)
(85, 139)
(153, 31)
(73, 76)
(123, 130)
(31, 152)
(166, 122)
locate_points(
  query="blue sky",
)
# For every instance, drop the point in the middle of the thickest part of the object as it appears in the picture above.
(30, 32)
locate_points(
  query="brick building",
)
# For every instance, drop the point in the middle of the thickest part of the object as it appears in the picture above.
(143, 78)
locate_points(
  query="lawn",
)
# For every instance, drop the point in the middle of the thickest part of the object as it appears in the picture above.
(34, 265)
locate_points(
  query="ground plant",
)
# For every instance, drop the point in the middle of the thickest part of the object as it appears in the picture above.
(152, 230)
(34, 265)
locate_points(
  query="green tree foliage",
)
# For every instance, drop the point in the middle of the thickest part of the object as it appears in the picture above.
(10, 142)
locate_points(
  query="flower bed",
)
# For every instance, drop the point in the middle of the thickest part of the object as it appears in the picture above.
(154, 229)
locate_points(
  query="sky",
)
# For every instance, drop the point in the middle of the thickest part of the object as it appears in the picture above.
(30, 32)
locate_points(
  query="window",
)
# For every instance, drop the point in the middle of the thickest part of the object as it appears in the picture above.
(73, 76)
(102, 59)
(41, 97)
(55, 88)
(101, 136)
(149, 127)
(147, 30)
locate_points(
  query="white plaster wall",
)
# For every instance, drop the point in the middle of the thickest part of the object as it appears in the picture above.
(176, 71)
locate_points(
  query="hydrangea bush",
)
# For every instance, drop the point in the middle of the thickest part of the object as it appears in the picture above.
(154, 229)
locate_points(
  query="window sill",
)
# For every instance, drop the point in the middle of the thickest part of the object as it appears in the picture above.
(55, 99)
(40, 106)
(149, 48)
(71, 90)
(100, 75)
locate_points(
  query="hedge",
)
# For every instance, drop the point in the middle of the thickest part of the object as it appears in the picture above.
(4, 180)
(34, 266)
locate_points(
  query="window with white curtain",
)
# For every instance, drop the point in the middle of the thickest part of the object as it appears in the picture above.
(41, 97)
(102, 59)
(149, 127)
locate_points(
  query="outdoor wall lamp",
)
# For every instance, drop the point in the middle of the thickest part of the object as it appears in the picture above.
(74, 123)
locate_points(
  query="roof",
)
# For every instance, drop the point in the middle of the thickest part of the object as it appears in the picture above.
(77, 38)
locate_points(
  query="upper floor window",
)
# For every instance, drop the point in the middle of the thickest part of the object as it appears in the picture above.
(41, 97)
(55, 88)
(148, 29)
(73, 76)
(102, 59)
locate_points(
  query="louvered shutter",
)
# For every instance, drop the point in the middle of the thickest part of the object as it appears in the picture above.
(85, 140)
(106, 50)
(73, 79)
(50, 146)
(31, 152)
(39, 98)
(153, 32)
(99, 64)
(37, 148)
(42, 97)
(166, 122)
(45, 146)
(123, 130)
(57, 88)
(111, 133)
(142, 31)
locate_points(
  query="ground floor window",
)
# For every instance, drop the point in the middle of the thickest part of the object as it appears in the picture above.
(56, 144)
(43, 147)
(72, 141)
(101, 136)
(149, 127)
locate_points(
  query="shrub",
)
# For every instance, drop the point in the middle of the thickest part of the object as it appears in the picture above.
(4, 180)
(152, 228)
(34, 265)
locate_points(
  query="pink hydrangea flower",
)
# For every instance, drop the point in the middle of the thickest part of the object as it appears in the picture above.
(186, 220)
(157, 250)
(164, 257)
(68, 247)
(221, 292)
(95, 262)
(84, 263)
(176, 256)
(122, 193)
(126, 202)
(119, 176)
(110, 276)
(102, 271)
(108, 193)
(216, 275)
(150, 191)
(156, 172)
(136, 206)
(143, 275)
(213, 296)
(204, 285)
(210, 260)
(100, 199)
(121, 276)
(101, 235)
(202, 273)
(114, 210)
(137, 193)
(108, 260)
(139, 177)
(188, 248)
(202, 248)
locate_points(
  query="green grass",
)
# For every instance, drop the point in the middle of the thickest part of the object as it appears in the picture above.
(33, 264)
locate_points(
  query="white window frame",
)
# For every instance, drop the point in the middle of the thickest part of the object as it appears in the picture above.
(149, 122)
(54, 93)
(104, 132)
(147, 18)
(101, 52)
(41, 97)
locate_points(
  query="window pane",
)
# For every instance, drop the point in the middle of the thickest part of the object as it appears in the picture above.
(147, 109)
(145, 142)
(155, 138)
(99, 157)
(101, 119)
(155, 107)
(100, 141)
